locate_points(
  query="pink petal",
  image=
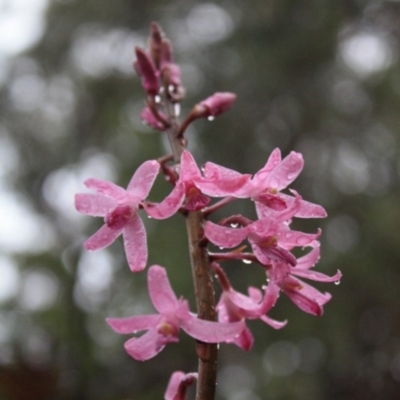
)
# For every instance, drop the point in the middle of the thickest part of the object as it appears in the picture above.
(289, 239)
(189, 168)
(143, 179)
(270, 298)
(169, 206)
(266, 254)
(305, 303)
(220, 181)
(223, 236)
(107, 188)
(306, 209)
(96, 205)
(273, 323)
(210, 331)
(273, 160)
(145, 347)
(310, 259)
(135, 243)
(245, 340)
(102, 238)
(285, 172)
(178, 384)
(160, 290)
(134, 324)
(315, 276)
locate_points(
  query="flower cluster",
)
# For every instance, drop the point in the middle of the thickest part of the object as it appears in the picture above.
(270, 237)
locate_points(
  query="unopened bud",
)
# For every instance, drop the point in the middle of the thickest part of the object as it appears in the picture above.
(144, 66)
(215, 105)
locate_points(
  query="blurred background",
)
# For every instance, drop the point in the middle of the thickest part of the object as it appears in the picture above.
(319, 77)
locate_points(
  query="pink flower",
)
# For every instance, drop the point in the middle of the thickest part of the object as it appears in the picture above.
(119, 208)
(193, 187)
(178, 384)
(266, 185)
(234, 306)
(269, 239)
(306, 297)
(163, 328)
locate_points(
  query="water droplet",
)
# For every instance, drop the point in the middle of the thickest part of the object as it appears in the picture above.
(234, 225)
(221, 247)
(149, 217)
(171, 88)
(177, 109)
(337, 283)
(288, 235)
(157, 99)
(246, 261)
(211, 118)
(202, 168)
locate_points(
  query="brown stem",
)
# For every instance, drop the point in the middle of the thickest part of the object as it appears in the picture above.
(202, 276)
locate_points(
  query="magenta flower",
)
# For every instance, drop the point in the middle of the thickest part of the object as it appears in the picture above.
(234, 306)
(196, 189)
(163, 328)
(178, 385)
(269, 239)
(119, 208)
(306, 297)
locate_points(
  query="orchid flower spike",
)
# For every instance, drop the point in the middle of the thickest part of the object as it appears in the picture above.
(119, 208)
(163, 328)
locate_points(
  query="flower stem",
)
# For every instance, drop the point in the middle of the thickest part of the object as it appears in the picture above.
(202, 276)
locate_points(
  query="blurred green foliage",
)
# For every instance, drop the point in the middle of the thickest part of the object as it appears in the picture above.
(320, 77)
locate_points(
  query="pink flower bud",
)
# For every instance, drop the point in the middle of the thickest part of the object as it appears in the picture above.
(149, 119)
(145, 68)
(215, 104)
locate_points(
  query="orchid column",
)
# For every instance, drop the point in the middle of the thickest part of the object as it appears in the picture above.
(270, 237)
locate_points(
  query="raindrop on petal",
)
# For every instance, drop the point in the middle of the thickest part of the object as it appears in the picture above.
(157, 99)
(246, 261)
(337, 283)
(211, 118)
(234, 225)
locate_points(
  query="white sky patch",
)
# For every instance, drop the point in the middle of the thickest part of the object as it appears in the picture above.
(21, 229)
(367, 53)
(21, 24)
(9, 282)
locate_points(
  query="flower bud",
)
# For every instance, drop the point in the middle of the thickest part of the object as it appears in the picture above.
(145, 68)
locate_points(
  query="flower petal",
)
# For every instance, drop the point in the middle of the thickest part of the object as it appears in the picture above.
(178, 384)
(261, 176)
(102, 238)
(143, 179)
(210, 331)
(273, 323)
(306, 209)
(134, 324)
(310, 259)
(106, 188)
(223, 236)
(189, 169)
(160, 290)
(96, 205)
(315, 276)
(135, 243)
(285, 172)
(245, 340)
(145, 347)
(169, 206)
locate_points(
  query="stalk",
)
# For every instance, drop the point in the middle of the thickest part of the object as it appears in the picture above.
(201, 273)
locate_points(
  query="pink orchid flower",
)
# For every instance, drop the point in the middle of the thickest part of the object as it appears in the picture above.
(196, 189)
(146, 69)
(269, 239)
(234, 306)
(178, 385)
(215, 105)
(119, 208)
(306, 297)
(266, 185)
(163, 328)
